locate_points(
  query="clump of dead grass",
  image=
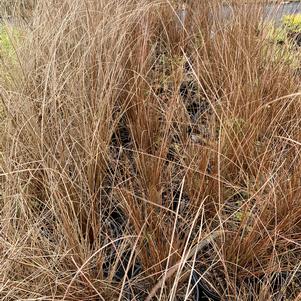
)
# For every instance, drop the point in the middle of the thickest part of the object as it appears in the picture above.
(133, 136)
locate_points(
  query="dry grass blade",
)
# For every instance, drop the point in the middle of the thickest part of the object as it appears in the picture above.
(175, 267)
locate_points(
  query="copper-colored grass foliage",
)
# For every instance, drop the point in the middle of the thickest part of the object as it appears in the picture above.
(136, 130)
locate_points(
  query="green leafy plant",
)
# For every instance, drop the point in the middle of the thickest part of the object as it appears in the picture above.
(284, 38)
(289, 28)
(292, 23)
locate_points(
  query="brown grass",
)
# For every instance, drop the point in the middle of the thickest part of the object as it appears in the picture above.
(20, 8)
(131, 138)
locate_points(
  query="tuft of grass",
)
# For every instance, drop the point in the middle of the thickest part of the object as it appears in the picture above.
(144, 155)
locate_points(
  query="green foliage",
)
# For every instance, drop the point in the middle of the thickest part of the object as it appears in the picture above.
(292, 23)
(284, 38)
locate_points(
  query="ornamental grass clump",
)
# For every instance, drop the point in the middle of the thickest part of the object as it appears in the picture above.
(149, 159)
